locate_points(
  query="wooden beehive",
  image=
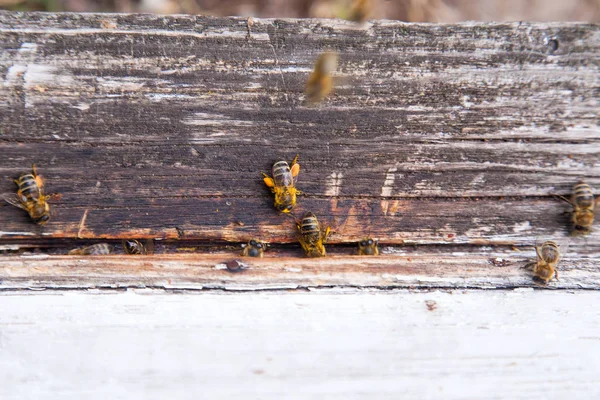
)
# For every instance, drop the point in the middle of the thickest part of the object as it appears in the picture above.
(447, 143)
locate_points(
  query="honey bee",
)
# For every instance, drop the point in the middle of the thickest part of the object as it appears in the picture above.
(136, 247)
(584, 205)
(97, 249)
(254, 248)
(312, 238)
(320, 81)
(283, 183)
(360, 10)
(548, 256)
(368, 247)
(30, 197)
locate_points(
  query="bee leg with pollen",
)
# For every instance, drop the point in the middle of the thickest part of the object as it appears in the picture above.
(268, 181)
(295, 169)
(38, 179)
(326, 234)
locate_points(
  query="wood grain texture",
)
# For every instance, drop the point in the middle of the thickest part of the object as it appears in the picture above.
(517, 345)
(205, 272)
(436, 134)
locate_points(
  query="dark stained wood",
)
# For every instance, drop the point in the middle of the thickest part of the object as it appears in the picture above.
(160, 127)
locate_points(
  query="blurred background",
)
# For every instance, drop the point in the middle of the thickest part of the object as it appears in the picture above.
(405, 10)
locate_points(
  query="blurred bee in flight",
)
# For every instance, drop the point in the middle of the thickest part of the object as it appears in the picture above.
(320, 81)
(254, 248)
(97, 249)
(368, 247)
(584, 207)
(31, 198)
(283, 184)
(549, 254)
(311, 237)
(360, 10)
(136, 247)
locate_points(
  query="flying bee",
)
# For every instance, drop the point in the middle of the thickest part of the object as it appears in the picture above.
(283, 183)
(31, 198)
(584, 207)
(312, 238)
(368, 247)
(320, 81)
(360, 10)
(98, 249)
(548, 256)
(137, 247)
(254, 248)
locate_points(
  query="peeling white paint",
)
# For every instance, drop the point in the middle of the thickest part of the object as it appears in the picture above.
(28, 48)
(478, 232)
(82, 106)
(38, 74)
(522, 227)
(478, 180)
(14, 75)
(123, 85)
(388, 184)
(334, 184)
(206, 119)
(17, 233)
(167, 96)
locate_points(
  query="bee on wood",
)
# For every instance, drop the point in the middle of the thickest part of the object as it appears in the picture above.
(98, 249)
(254, 248)
(31, 198)
(136, 247)
(320, 81)
(549, 254)
(368, 247)
(584, 207)
(312, 238)
(360, 10)
(283, 184)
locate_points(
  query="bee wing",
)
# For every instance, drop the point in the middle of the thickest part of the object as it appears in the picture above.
(78, 251)
(563, 246)
(15, 201)
(539, 241)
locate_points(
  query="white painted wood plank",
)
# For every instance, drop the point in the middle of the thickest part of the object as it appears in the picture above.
(520, 344)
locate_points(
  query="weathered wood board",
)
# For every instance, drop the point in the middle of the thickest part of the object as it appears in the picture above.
(436, 133)
(445, 142)
(518, 344)
(209, 271)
